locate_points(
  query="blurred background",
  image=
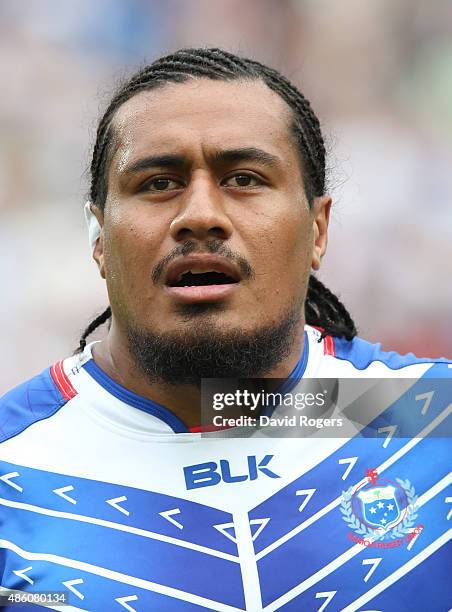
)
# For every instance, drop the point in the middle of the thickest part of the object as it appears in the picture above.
(379, 75)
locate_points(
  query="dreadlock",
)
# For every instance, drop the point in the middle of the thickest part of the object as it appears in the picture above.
(95, 323)
(322, 308)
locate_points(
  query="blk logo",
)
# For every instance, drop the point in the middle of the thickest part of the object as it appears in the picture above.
(210, 473)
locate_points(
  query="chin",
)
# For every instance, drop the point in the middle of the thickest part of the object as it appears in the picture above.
(209, 343)
(197, 311)
(215, 317)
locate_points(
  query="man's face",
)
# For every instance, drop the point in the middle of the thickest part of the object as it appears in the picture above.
(206, 177)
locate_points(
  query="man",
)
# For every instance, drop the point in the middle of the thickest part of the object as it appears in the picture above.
(207, 214)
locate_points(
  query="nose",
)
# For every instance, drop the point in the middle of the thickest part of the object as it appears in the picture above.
(202, 213)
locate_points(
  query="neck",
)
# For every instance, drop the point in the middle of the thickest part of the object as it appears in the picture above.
(113, 356)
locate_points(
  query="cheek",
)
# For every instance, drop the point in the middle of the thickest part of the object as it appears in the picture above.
(129, 248)
(284, 247)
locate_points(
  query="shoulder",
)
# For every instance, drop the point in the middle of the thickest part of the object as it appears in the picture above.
(362, 354)
(34, 400)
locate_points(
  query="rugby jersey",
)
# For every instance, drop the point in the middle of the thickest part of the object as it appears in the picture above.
(108, 497)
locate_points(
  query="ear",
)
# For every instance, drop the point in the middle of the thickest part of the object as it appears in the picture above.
(98, 250)
(321, 217)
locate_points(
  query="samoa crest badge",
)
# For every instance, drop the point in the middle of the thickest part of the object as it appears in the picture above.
(380, 509)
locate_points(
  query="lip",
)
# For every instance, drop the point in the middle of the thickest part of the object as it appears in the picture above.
(201, 293)
(204, 263)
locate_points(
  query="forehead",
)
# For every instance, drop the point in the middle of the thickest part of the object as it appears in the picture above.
(203, 114)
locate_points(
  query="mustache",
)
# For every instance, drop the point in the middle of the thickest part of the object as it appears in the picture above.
(212, 246)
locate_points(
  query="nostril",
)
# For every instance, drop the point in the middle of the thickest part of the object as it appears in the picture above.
(185, 233)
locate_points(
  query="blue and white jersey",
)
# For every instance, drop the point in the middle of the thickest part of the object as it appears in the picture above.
(109, 498)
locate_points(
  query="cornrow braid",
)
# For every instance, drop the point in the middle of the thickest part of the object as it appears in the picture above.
(95, 323)
(322, 308)
(306, 128)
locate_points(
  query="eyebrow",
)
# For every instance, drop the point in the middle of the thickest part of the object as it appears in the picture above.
(246, 154)
(156, 161)
(252, 154)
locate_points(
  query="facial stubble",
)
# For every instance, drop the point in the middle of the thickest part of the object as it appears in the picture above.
(204, 350)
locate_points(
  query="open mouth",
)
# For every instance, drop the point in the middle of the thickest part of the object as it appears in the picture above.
(194, 279)
(201, 279)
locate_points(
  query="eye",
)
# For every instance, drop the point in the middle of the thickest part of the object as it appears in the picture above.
(242, 180)
(161, 183)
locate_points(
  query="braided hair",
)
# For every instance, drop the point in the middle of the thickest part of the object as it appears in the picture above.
(322, 308)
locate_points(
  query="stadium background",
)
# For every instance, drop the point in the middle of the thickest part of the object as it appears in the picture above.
(378, 74)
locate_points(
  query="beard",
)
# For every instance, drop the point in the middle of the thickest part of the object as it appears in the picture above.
(205, 351)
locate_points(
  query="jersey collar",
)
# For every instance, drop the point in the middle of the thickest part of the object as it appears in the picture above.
(156, 410)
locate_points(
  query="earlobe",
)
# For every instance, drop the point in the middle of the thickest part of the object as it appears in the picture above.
(321, 213)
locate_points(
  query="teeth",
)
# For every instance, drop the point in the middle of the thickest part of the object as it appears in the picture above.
(193, 271)
(199, 271)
